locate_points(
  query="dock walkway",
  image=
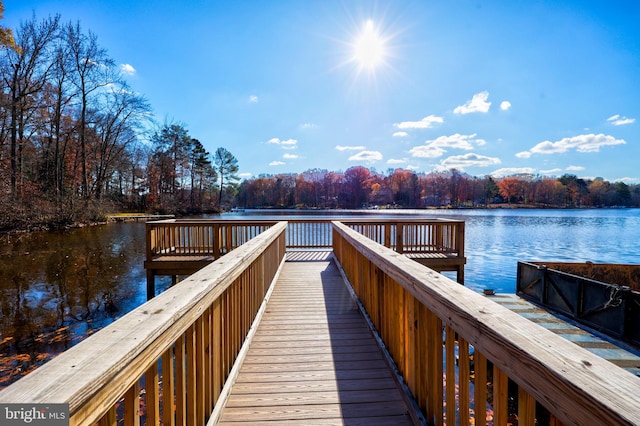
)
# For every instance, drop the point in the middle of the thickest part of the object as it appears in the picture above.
(313, 359)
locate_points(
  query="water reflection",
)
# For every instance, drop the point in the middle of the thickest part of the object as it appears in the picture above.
(59, 287)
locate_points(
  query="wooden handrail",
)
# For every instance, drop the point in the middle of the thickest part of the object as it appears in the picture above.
(411, 307)
(406, 235)
(189, 336)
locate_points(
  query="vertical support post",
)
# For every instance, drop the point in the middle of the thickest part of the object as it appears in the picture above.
(151, 285)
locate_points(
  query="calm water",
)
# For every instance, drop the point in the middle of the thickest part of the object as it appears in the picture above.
(57, 288)
(496, 239)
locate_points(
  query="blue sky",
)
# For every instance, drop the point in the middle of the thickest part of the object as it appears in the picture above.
(487, 87)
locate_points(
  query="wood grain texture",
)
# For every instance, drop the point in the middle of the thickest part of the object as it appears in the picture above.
(313, 359)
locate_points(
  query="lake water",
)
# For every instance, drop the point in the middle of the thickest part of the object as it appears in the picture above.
(56, 288)
(496, 239)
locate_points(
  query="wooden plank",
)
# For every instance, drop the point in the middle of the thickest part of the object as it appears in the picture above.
(450, 361)
(168, 389)
(152, 395)
(480, 388)
(526, 409)
(500, 384)
(314, 363)
(132, 405)
(463, 382)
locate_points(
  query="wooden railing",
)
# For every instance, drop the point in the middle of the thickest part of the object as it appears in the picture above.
(188, 237)
(467, 360)
(180, 347)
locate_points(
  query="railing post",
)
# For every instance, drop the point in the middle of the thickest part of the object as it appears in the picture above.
(217, 240)
(399, 237)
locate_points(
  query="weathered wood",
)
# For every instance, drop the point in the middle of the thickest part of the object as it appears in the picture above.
(575, 385)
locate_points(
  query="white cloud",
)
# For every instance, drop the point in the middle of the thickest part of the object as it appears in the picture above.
(505, 105)
(468, 160)
(510, 171)
(436, 147)
(627, 180)
(277, 163)
(369, 156)
(575, 168)
(253, 99)
(290, 156)
(245, 175)
(308, 126)
(400, 134)
(127, 69)
(617, 120)
(454, 141)
(414, 168)
(523, 154)
(349, 148)
(477, 104)
(285, 144)
(427, 151)
(396, 161)
(425, 123)
(551, 171)
(581, 143)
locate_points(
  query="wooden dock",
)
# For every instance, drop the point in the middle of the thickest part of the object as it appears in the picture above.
(263, 335)
(313, 359)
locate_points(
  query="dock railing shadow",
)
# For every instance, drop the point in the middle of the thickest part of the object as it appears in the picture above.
(467, 360)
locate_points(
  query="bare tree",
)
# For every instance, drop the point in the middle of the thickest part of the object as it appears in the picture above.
(93, 70)
(25, 72)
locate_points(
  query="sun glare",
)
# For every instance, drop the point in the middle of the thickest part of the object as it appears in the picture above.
(369, 47)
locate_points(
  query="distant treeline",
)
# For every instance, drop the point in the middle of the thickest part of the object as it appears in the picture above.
(360, 187)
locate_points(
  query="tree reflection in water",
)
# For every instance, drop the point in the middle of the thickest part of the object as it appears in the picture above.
(57, 288)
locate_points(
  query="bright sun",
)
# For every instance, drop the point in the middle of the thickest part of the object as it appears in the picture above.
(369, 47)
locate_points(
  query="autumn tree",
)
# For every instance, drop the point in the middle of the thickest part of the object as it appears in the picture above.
(405, 188)
(356, 189)
(6, 35)
(510, 188)
(576, 189)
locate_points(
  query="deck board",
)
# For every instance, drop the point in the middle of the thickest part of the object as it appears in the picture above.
(313, 359)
